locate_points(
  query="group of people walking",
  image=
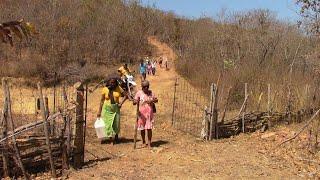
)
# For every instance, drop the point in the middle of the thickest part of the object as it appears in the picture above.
(113, 97)
(147, 67)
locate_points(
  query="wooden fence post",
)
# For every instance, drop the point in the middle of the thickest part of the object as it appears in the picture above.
(244, 108)
(14, 142)
(79, 143)
(174, 101)
(213, 111)
(226, 106)
(269, 98)
(307, 97)
(68, 129)
(4, 133)
(205, 123)
(46, 131)
(67, 119)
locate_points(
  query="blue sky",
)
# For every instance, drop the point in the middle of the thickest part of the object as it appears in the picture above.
(285, 9)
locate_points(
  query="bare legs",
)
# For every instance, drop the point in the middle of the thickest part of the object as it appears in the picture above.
(143, 137)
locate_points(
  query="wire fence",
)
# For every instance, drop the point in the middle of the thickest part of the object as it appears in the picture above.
(254, 107)
(188, 107)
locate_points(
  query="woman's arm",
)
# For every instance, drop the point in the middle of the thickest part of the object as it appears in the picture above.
(136, 99)
(154, 98)
(100, 106)
(123, 100)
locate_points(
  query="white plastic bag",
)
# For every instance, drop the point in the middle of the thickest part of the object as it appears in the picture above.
(100, 128)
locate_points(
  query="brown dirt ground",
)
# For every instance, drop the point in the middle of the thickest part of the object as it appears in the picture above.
(180, 156)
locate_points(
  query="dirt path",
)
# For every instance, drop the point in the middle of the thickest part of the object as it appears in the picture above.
(175, 155)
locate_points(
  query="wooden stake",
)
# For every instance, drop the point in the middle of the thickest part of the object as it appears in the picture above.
(136, 127)
(174, 101)
(63, 145)
(244, 108)
(46, 131)
(15, 145)
(85, 118)
(205, 124)
(67, 120)
(211, 111)
(79, 128)
(226, 106)
(269, 98)
(214, 112)
(4, 132)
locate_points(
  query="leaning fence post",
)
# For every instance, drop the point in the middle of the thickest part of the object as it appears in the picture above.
(244, 110)
(205, 124)
(46, 131)
(15, 145)
(211, 110)
(226, 106)
(4, 132)
(85, 118)
(269, 98)
(67, 120)
(79, 129)
(215, 113)
(174, 101)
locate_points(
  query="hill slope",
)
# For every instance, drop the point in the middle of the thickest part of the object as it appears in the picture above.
(175, 155)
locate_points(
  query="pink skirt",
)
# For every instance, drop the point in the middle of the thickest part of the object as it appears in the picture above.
(146, 117)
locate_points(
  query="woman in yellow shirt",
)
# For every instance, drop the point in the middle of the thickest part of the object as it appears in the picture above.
(109, 109)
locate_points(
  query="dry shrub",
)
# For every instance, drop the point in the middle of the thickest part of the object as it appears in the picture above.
(244, 47)
(72, 32)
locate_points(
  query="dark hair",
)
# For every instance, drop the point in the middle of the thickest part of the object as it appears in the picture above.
(110, 77)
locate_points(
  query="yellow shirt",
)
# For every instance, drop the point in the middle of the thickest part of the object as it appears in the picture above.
(124, 71)
(117, 93)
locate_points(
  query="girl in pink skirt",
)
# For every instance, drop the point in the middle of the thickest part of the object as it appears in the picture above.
(146, 100)
(149, 68)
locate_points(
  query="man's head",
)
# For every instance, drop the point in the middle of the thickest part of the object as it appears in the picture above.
(125, 65)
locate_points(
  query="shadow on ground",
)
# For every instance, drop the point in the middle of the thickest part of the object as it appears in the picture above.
(159, 143)
(94, 162)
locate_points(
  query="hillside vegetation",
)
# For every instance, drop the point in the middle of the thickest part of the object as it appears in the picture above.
(83, 38)
(74, 35)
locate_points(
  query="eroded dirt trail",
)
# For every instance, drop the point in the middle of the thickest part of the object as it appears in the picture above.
(175, 155)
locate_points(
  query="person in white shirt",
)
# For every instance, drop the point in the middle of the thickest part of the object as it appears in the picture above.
(154, 65)
(165, 59)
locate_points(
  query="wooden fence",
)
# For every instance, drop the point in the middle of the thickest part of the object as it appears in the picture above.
(216, 116)
(50, 140)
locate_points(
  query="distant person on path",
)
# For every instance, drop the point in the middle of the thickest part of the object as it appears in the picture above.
(160, 62)
(142, 70)
(124, 70)
(166, 63)
(147, 101)
(109, 109)
(149, 68)
(153, 66)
